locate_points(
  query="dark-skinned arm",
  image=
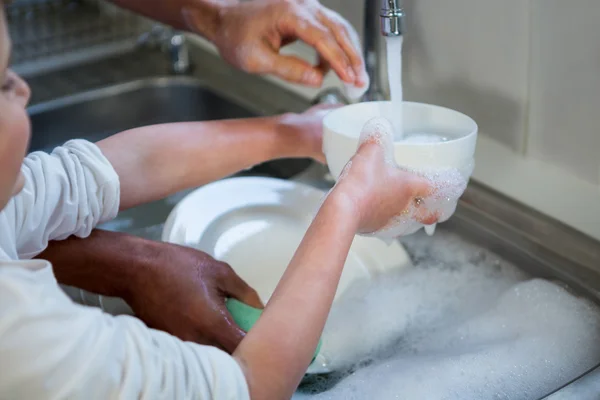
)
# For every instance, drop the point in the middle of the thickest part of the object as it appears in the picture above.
(146, 273)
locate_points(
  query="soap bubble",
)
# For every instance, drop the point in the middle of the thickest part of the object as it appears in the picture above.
(461, 323)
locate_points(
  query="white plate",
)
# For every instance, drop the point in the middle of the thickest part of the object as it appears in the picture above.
(255, 225)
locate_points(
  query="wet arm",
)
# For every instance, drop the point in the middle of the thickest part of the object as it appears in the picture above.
(277, 351)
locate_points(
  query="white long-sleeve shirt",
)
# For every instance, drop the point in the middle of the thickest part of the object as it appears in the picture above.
(52, 348)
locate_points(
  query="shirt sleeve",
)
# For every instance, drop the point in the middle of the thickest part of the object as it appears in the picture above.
(66, 193)
(51, 348)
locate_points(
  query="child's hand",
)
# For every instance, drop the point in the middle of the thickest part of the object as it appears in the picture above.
(306, 131)
(379, 189)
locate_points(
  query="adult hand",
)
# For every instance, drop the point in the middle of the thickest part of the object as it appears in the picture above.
(182, 291)
(175, 289)
(250, 35)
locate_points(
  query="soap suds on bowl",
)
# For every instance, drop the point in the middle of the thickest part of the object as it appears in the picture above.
(460, 324)
(447, 184)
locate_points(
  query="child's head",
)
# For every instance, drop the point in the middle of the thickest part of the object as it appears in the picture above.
(14, 123)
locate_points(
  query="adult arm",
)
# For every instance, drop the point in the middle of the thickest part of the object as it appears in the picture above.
(144, 273)
(171, 12)
(249, 35)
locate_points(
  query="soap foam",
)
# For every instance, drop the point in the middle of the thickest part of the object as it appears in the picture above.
(586, 388)
(460, 324)
(356, 92)
(430, 229)
(447, 184)
(379, 130)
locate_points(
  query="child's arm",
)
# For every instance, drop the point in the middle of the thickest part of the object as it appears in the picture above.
(276, 352)
(286, 335)
(155, 161)
(66, 193)
(80, 185)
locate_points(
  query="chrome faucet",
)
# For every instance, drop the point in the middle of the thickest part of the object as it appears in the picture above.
(392, 18)
(173, 43)
(384, 21)
(387, 22)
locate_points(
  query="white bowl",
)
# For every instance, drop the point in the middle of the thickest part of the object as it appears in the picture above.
(342, 127)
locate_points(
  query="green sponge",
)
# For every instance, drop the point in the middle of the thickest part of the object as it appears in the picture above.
(246, 316)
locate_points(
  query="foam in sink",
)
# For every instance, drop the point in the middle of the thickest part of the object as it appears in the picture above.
(460, 324)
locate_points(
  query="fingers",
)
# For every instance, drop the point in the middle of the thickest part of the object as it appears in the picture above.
(320, 37)
(379, 131)
(427, 218)
(348, 40)
(234, 286)
(323, 66)
(421, 189)
(293, 69)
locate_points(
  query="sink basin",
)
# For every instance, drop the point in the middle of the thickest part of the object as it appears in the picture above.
(100, 113)
(97, 114)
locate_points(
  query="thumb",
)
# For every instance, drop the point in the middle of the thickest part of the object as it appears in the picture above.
(229, 333)
(294, 70)
(235, 287)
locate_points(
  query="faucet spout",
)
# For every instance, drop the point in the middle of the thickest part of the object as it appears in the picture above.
(392, 18)
(380, 20)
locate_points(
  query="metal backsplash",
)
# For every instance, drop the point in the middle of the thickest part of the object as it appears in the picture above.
(48, 34)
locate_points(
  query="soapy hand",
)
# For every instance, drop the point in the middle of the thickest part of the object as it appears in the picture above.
(379, 189)
(183, 292)
(249, 35)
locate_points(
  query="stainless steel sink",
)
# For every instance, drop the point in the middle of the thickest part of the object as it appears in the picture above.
(100, 113)
(97, 114)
